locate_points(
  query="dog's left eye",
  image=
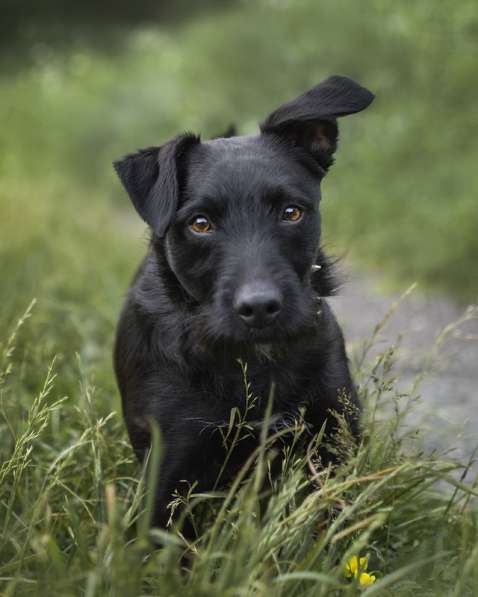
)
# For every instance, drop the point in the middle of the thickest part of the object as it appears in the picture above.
(200, 225)
(292, 213)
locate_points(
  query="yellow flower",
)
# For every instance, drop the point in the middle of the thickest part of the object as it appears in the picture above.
(366, 579)
(356, 567)
(354, 564)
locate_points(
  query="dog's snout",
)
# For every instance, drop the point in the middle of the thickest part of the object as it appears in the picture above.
(258, 305)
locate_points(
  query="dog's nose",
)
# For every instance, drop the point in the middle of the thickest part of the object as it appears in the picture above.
(258, 305)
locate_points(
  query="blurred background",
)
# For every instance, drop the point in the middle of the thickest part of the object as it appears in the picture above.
(83, 83)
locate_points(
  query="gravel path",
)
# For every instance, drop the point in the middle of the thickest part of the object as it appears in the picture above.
(448, 409)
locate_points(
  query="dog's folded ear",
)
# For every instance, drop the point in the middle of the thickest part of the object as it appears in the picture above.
(152, 179)
(310, 121)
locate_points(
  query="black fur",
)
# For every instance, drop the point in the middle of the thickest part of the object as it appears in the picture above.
(181, 332)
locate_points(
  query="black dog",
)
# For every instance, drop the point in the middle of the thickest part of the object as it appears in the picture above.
(233, 272)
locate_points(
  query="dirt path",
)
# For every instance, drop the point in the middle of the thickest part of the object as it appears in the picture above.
(448, 410)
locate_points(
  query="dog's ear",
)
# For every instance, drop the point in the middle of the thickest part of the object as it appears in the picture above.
(152, 179)
(310, 121)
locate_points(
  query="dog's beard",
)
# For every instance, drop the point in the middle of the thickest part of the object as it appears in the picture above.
(215, 329)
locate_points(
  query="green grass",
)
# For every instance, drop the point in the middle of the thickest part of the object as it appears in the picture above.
(74, 522)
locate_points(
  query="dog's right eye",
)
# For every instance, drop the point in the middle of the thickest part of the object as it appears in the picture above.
(200, 225)
(292, 213)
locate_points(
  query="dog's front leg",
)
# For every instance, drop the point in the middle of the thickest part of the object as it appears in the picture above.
(334, 393)
(191, 459)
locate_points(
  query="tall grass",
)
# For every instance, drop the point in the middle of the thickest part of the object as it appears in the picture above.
(74, 520)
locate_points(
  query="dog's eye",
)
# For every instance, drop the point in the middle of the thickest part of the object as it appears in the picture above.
(200, 225)
(292, 213)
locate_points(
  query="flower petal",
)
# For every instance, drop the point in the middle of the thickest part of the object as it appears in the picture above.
(366, 579)
(351, 567)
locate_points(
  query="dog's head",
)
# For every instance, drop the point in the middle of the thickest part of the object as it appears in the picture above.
(237, 218)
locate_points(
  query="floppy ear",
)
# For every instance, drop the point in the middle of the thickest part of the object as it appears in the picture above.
(151, 178)
(310, 121)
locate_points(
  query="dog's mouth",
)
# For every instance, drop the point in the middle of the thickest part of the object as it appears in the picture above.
(219, 325)
(298, 324)
(280, 332)
(222, 334)
(268, 335)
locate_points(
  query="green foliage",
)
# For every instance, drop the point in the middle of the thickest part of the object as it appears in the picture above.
(74, 256)
(402, 196)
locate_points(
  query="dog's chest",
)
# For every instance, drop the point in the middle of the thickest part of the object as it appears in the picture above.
(249, 388)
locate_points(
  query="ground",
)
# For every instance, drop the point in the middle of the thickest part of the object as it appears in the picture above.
(449, 394)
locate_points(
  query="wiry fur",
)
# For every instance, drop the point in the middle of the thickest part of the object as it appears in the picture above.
(180, 334)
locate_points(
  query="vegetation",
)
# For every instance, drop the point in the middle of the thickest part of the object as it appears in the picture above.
(402, 197)
(74, 521)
